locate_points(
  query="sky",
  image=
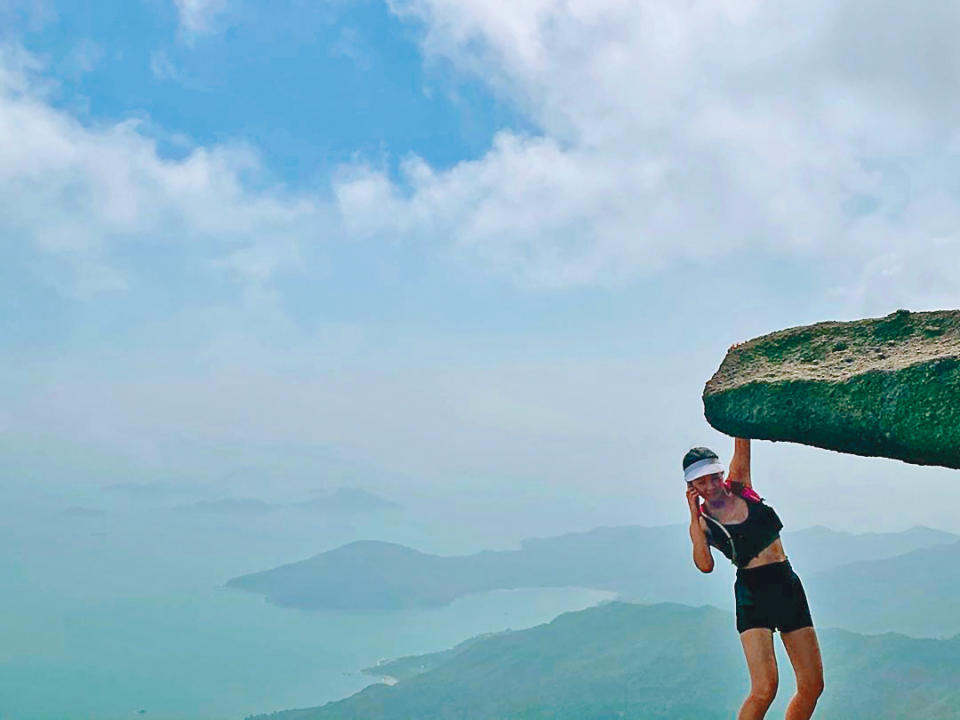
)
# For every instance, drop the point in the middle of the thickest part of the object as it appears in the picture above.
(477, 253)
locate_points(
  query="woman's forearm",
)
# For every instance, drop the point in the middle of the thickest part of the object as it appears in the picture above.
(701, 550)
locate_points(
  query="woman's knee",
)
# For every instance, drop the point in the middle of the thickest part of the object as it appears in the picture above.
(810, 687)
(764, 691)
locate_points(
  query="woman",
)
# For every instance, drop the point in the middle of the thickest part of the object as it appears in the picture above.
(769, 595)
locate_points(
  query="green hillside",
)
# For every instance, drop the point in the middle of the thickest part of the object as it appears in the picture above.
(647, 662)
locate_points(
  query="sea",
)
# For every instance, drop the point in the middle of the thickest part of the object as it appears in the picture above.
(122, 613)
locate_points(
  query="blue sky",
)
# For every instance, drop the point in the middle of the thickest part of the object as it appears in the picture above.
(479, 246)
(311, 85)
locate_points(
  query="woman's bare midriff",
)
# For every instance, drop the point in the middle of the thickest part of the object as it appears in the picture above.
(772, 553)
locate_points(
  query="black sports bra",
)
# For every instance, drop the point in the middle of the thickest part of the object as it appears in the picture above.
(742, 542)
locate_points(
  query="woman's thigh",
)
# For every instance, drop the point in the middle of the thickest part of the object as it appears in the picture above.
(803, 649)
(761, 660)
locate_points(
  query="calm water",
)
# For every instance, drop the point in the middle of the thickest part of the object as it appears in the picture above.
(108, 615)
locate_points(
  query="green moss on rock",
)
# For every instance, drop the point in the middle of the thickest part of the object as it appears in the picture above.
(886, 387)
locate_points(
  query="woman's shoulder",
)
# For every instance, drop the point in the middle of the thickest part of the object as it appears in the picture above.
(746, 493)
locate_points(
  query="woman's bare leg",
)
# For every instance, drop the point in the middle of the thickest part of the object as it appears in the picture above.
(804, 652)
(762, 663)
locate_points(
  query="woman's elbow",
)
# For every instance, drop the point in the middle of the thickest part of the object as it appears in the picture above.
(704, 567)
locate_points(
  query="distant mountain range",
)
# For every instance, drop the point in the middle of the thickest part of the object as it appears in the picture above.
(647, 662)
(915, 593)
(643, 564)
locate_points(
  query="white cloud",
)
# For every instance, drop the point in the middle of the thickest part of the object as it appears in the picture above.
(77, 193)
(667, 133)
(196, 16)
(85, 56)
(162, 67)
(922, 270)
(672, 131)
(351, 45)
(35, 14)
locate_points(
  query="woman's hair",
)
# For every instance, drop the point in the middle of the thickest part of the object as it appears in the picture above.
(697, 454)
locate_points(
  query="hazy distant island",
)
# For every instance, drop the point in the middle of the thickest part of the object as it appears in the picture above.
(347, 500)
(342, 501)
(81, 511)
(227, 506)
(206, 499)
(152, 491)
(643, 662)
(850, 574)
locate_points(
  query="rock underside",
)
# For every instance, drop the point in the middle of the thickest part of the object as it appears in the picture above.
(887, 387)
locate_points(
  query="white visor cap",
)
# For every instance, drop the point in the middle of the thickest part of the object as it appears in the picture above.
(707, 466)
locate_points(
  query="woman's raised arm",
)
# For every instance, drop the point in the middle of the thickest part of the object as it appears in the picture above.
(740, 463)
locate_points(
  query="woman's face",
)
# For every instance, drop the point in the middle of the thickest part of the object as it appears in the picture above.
(709, 486)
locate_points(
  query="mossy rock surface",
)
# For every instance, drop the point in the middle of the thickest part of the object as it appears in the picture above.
(887, 387)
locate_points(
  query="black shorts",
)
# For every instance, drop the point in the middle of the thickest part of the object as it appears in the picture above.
(771, 596)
